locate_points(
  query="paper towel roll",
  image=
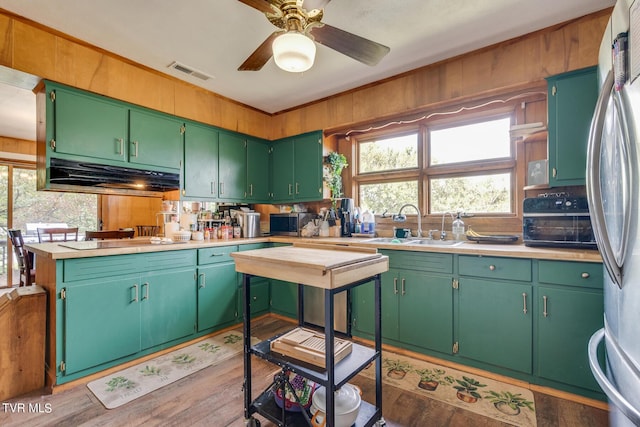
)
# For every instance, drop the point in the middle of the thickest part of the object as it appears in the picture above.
(170, 228)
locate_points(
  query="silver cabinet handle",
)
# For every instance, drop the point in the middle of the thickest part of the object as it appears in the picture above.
(297, 188)
(135, 148)
(221, 187)
(585, 275)
(545, 313)
(251, 189)
(403, 289)
(120, 146)
(213, 187)
(395, 286)
(145, 285)
(202, 278)
(492, 267)
(135, 298)
(220, 254)
(524, 302)
(290, 189)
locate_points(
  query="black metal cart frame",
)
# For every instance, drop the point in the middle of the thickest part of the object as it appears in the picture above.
(333, 377)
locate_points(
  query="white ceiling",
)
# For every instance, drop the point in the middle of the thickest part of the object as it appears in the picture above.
(215, 36)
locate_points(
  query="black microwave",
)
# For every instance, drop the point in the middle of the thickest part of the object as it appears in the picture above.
(562, 222)
(289, 224)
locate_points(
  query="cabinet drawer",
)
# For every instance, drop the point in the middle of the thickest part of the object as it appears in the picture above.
(96, 267)
(495, 267)
(169, 259)
(585, 274)
(423, 261)
(216, 255)
(251, 246)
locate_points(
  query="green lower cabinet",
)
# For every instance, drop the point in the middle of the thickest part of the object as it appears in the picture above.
(217, 295)
(167, 306)
(259, 297)
(566, 320)
(284, 298)
(101, 322)
(411, 298)
(363, 310)
(495, 323)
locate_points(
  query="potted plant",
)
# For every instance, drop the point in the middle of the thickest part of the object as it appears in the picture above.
(468, 389)
(430, 378)
(508, 403)
(334, 164)
(397, 368)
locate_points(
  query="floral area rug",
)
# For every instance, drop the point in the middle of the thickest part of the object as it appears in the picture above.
(505, 402)
(124, 386)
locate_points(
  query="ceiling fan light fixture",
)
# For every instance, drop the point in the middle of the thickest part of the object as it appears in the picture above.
(294, 52)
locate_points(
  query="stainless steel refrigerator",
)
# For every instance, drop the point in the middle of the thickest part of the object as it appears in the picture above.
(613, 189)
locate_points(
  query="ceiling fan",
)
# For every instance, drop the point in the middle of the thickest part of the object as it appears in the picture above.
(299, 23)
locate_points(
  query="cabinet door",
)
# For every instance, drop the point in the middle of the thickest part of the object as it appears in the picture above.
(495, 323)
(571, 99)
(257, 171)
(232, 167)
(90, 126)
(282, 170)
(154, 139)
(259, 297)
(200, 162)
(284, 298)
(101, 322)
(167, 306)
(363, 310)
(566, 320)
(426, 300)
(217, 298)
(390, 290)
(307, 166)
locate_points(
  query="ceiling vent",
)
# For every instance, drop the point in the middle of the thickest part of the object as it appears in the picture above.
(190, 71)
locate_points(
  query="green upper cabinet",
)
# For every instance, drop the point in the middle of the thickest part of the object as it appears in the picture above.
(282, 170)
(88, 127)
(85, 125)
(257, 171)
(296, 168)
(571, 101)
(232, 164)
(155, 139)
(200, 162)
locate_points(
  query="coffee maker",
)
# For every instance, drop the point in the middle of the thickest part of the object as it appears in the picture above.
(346, 212)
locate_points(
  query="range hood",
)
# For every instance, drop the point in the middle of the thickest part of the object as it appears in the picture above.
(68, 175)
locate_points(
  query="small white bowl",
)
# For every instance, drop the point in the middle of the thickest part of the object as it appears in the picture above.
(197, 235)
(181, 236)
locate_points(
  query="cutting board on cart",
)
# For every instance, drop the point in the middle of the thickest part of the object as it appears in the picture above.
(324, 266)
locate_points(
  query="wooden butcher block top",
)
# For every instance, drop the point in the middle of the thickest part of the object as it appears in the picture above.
(324, 266)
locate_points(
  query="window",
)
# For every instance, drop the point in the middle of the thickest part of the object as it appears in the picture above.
(468, 165)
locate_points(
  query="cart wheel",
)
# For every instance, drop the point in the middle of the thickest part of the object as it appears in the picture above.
(252, 422)
(381, 423)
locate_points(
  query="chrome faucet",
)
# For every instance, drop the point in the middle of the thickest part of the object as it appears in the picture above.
(401, 218)
(443, 234)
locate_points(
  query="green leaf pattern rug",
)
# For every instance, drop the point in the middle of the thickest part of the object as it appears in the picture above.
(508, 403)
(126, 385)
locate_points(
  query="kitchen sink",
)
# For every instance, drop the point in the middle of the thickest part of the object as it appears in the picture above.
(391, 240)
(434, 242)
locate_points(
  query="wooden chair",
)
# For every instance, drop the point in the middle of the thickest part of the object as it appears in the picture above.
(24, 257)
(109, 234)
(57, 234)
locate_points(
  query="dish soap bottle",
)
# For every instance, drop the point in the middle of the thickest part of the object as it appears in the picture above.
(457, 228)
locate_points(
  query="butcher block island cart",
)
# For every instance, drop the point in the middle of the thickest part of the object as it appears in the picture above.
(334, 269)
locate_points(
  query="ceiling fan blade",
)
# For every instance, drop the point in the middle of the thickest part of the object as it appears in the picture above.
(261, 55)
(361, 49)
(315, 4)
(262, 5)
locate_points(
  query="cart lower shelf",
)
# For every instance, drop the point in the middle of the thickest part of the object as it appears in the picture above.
(266, 406)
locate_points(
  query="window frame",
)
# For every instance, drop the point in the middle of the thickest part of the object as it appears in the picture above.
(424, 172)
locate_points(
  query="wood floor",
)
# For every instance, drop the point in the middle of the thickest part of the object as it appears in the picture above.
(213, 397)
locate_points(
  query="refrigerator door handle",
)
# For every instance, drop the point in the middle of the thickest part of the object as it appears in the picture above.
(594, 194)
(612, 393)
